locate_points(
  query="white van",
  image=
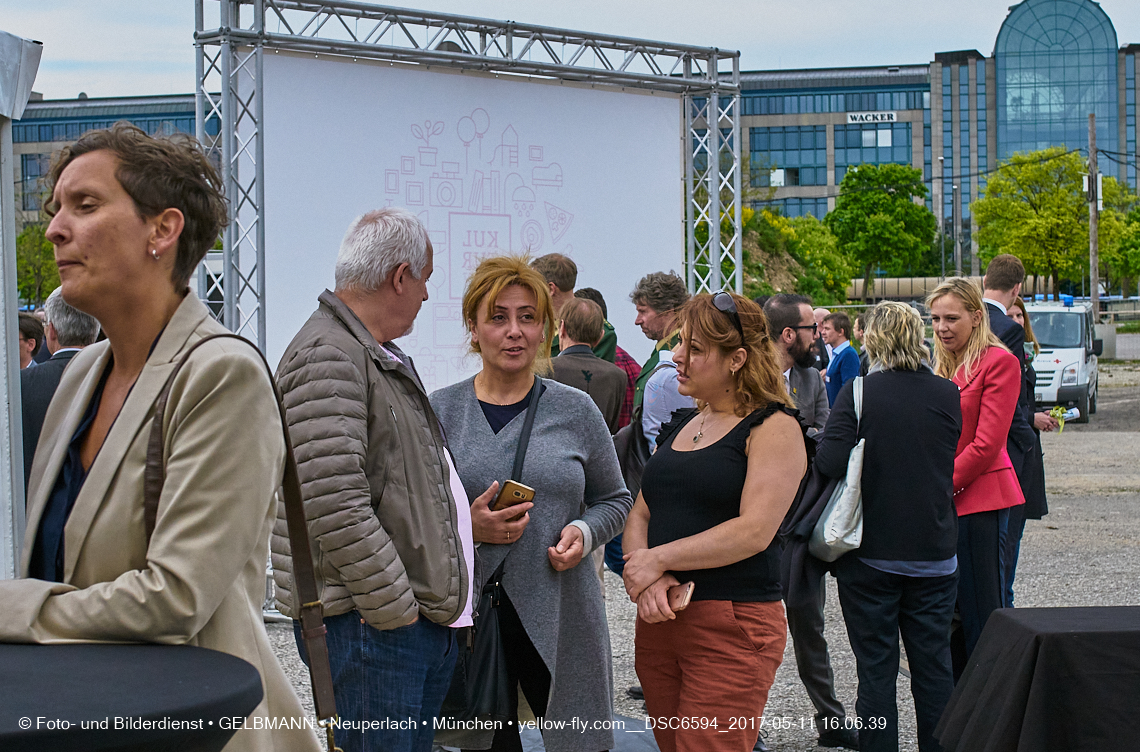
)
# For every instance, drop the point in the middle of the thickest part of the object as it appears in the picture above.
(1067, 364)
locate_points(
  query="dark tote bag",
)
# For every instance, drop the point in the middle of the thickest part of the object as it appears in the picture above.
(480, 686)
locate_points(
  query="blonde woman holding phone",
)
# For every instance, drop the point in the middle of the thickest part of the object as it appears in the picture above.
(551, 613)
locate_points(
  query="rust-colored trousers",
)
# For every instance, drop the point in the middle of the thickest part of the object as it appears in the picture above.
(714, 663)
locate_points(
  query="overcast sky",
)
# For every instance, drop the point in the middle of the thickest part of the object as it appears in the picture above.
(126, 47)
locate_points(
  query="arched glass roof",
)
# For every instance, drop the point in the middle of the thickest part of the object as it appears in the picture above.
(1055, 63)
(1051, 26)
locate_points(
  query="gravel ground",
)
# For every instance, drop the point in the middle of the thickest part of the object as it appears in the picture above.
(1086, 552)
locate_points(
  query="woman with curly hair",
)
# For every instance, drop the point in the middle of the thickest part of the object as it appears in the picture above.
(712, 498)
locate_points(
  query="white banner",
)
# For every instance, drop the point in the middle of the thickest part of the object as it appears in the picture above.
(490, 164)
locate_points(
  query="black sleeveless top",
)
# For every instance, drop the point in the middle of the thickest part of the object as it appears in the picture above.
(690, 492)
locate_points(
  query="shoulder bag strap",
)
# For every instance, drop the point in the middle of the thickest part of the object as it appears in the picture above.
(304, 578)
(524, 437)
(857, 390)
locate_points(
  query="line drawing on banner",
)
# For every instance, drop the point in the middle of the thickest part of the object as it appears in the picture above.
(473, 206)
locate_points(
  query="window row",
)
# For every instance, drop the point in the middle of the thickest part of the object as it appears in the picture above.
(31, 133)
(753, 103)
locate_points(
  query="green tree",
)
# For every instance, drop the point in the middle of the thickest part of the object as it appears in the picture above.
(826, 270)
(877, 221)
(1118, 236)
(1034, 208)
(36, 272)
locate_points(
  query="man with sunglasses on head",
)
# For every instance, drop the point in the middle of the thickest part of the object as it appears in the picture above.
(793, 328)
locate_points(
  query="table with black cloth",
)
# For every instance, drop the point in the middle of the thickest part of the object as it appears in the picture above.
(1049, 679)
(85, 697)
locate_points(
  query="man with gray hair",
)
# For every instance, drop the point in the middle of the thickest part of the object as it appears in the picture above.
(66, 332)
(388, 517)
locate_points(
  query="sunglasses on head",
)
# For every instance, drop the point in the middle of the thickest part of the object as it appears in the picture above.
(726, 305)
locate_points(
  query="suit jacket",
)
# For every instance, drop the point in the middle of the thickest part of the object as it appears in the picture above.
(810, 396)
(911, 422)
(1021, 440)
(606, 384)
(201, 580)
(984, 479)
(37, 386)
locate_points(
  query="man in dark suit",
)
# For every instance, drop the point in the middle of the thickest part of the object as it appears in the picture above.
(792, 327)
(1000, 287)
(67, 331)
(582, 327)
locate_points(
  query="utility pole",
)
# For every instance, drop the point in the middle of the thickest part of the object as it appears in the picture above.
(940, 212)
(957, 233)
(1094, 217)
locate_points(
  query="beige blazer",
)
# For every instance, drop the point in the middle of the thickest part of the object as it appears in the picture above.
(202, 579)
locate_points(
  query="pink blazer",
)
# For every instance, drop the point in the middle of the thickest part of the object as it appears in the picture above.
(984, 479)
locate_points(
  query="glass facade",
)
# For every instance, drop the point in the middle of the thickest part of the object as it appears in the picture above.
(870, 144)
(791, 103)
(795, 207)
(1130, 116)
(33, 168)
(71, 130)
(1056, 63)
(800, 152)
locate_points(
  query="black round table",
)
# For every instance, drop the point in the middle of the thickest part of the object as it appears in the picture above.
(82, 698)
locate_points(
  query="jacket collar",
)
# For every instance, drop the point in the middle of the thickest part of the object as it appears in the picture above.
(87, 369)
(379, 352)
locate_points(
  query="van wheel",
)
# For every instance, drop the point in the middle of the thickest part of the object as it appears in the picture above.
(1092, 400)
(1083, 406)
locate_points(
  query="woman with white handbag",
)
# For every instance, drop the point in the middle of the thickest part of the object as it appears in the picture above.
(903, 576)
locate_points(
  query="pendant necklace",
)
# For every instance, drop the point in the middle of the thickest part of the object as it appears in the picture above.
(700, 431)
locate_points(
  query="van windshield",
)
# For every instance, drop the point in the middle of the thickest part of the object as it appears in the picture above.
(1057, 330)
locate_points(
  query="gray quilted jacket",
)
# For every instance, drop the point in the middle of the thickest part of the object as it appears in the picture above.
(374, 478)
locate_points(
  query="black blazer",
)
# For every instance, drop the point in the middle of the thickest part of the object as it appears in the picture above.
(37, 386)
(1022, 440)
(911, 423)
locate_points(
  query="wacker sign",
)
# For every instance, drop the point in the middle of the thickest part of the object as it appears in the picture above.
(872, 117)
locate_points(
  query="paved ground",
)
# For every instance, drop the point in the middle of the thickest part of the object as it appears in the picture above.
(1086, 552)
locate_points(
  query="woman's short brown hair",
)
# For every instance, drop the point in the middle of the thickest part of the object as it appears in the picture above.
(170, 172)
(497, 273)
(760, 381)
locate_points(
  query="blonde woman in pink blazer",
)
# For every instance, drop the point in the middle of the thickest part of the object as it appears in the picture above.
(985, 485)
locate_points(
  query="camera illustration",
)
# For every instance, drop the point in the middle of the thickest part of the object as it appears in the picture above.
(446, 192)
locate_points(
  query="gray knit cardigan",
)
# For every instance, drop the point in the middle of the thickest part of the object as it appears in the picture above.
(572, 465)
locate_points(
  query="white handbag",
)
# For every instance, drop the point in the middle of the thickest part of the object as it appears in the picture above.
(840, 527)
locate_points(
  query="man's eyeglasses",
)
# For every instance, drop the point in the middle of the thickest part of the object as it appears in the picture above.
(814, 327)
(726, 305)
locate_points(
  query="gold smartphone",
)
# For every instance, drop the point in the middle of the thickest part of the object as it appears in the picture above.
(680, 595)
(512, 493)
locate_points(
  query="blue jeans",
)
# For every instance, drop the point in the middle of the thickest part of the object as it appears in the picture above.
(613, 556)
(395, 677)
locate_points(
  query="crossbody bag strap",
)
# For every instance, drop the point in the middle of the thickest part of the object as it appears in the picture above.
(524, 437)
(304, 578)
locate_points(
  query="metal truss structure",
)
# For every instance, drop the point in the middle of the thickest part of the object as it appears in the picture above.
(231, 37)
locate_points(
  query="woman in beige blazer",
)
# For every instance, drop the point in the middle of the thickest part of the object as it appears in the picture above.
(132, 218)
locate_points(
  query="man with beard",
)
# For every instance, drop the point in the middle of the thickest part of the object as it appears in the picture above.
(793, 329)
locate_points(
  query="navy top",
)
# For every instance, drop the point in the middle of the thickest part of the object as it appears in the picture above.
(844, 367)
(498, 416)
(690, 492)
(47, 553)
